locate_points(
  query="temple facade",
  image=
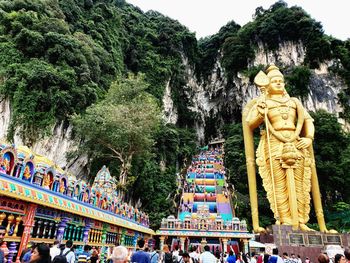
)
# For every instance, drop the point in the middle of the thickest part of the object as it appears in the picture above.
(41, 203)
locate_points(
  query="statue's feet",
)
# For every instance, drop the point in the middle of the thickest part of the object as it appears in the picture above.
(325, 230)
(332, 231)
(304, 227)
(260, 230)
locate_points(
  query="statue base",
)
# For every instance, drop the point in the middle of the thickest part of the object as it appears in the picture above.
(306, 244)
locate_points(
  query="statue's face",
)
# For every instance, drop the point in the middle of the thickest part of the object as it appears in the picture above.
(276, 85)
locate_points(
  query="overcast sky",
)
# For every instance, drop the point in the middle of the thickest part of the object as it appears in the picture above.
(206, 17)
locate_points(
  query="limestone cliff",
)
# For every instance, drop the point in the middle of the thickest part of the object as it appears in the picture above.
(56, 146)
(221, 100)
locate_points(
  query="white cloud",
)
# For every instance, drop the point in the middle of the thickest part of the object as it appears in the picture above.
(206, 17)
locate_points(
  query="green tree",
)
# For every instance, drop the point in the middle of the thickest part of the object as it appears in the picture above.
(298, 82)
(332, 157)
(339, 217)
(122, 125)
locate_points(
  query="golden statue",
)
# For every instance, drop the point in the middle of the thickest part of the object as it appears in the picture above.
(284, 156)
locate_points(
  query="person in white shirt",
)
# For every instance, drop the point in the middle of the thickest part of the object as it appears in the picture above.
(206, 256)
(253, 258)
(176, 253)
(68, 252)
(194, 255)
(55, 250)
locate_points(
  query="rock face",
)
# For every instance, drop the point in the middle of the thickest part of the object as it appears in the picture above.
(219, 99)
(54, 147)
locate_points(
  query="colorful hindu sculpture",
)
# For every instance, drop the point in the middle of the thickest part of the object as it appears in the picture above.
(62, 188)
(284, 156)
(26, 173)
(6, 165)
(47, 181)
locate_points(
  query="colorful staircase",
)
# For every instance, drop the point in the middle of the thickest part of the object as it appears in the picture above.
(204, 187)
(205, 216)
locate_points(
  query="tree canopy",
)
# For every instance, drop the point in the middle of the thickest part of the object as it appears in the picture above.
(121, 126)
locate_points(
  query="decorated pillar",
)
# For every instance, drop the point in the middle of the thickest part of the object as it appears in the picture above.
(28, 223)
(182, 243)
(18, 221)
(61, 228)
(103, 241)
(224, 243)
(12, 251)
(86, 232)
(10, 219)
(134, 239)
(2, 217)
(245, 247)
(161, 242)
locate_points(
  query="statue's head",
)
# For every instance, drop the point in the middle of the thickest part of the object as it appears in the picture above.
(276, 85)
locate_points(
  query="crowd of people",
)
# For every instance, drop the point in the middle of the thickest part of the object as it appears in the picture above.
(59, 253)
(292, 258)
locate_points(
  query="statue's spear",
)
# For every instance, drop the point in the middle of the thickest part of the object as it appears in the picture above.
(262, 81)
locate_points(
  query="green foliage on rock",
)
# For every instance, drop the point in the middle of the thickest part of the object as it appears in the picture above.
(54, 72)
(338, 217)
(70, 57)
(68, 52)
(298, 82)
(332, 157)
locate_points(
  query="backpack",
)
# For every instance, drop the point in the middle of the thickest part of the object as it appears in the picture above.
(195, 260)
(168, 258)
(61, 258)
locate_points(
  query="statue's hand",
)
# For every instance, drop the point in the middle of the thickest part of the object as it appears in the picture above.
(304, 143)
(261, 106)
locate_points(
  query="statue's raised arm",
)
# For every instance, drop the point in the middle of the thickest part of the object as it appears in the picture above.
(284, 156)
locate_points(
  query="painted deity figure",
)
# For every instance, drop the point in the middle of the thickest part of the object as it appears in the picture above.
(62, 186)
(6, 165)
(85, 197)
(284, 156)
(2, 168)
(76, 192)
(26, 173)
(46, 181)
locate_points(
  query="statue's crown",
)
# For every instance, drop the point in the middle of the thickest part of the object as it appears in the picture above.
(273, 71)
